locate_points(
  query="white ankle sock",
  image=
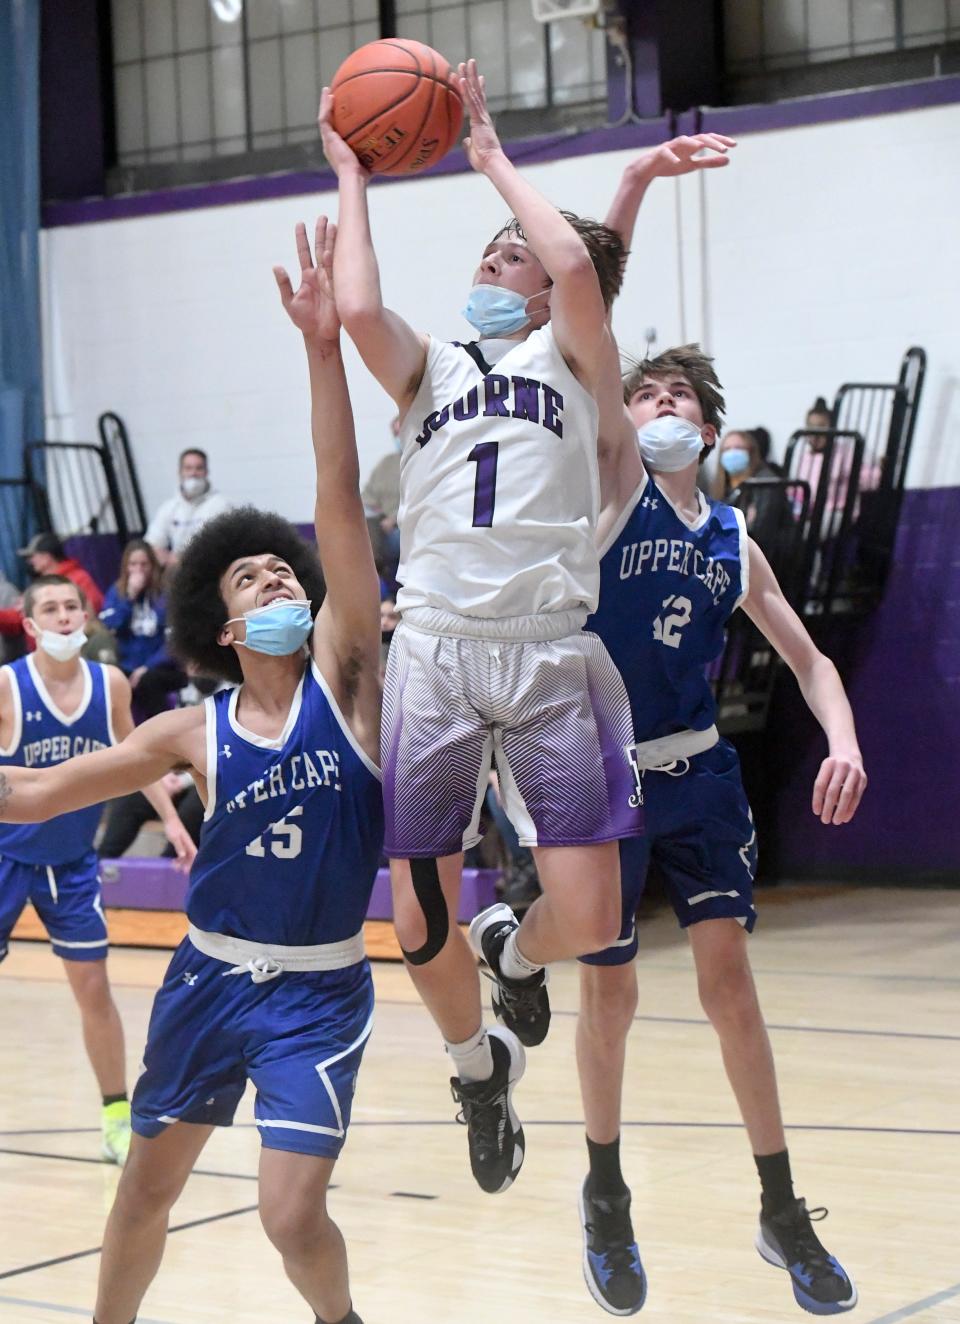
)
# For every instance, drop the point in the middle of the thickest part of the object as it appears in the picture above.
(513, 963)
(472, 1059)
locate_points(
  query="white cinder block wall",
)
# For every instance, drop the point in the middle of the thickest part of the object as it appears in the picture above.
(815, 258)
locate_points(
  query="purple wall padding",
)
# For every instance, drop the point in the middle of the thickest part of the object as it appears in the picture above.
(901, 667)
(155, 884)
(98, 553)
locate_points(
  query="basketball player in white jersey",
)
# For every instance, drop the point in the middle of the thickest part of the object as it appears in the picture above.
(498, 567)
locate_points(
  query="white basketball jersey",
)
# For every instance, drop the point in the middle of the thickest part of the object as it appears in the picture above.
(499, 485)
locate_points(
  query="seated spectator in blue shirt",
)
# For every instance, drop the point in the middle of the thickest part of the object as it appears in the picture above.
(135, 611)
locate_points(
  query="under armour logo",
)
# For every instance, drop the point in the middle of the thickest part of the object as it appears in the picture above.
(33, 717)
(649, 503)
(226, 752)
(190, 979)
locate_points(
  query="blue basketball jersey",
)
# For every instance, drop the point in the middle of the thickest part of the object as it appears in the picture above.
(44, 736)
(667, 590)
(293, 831)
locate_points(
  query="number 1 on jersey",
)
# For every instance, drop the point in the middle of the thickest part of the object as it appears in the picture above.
(484, 455)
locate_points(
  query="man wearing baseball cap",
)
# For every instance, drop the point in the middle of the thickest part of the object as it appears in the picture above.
(46, 556)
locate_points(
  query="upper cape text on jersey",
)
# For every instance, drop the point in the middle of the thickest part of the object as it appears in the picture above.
(498, 396)
(677, 552)
(299, 770)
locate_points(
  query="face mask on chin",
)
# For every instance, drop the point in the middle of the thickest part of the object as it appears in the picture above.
(278, 629)
(194, 487)
(494, 311)
(61, 647)
(669, 443)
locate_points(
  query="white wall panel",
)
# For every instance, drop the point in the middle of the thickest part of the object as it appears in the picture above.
(817, 257)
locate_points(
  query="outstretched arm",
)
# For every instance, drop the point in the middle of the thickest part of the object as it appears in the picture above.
(577, 312)
(392, 350)
(177, 835)
(347, 634)
(620, 465)
(33, 795)
(679, 156)
(841, 780)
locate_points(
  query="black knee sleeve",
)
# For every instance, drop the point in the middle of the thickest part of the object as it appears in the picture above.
(429, 893)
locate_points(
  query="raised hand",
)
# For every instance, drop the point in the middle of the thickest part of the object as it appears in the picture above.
(312, 308)
(341, 158)
(483, 143)
(680, 156)
(837, 791)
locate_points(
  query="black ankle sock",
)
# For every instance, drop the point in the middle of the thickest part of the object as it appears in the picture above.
(775, 1181)
(351, 1317)
(605, 1175)
(115, 1098)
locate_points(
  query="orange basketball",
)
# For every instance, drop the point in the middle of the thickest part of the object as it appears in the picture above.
(395, 105)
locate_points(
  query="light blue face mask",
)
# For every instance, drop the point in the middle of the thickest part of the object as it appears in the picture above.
(735, 461)
(279, 628)
(494, 311)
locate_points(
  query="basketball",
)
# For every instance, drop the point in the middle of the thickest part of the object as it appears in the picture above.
(395, 105)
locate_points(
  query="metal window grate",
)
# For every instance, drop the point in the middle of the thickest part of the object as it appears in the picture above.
(764, 36)
(190, 86)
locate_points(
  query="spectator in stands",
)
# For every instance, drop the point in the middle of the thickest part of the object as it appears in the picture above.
(178, 519)
(764, 444)
(45, 555)
(810, 464)
(765, 512)
(136, 613)
(381, 502)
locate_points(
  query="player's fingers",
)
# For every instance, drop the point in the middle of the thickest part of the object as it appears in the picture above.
(283, 284)
(832, 795)
(303, 248)
(711, 162)
(330, 244)
(842, 812)
(716, 141)
(320, 237)
(850, 797)
(325, 100)
(820, 785)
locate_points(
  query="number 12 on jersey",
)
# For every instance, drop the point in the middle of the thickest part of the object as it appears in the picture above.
(484, 456)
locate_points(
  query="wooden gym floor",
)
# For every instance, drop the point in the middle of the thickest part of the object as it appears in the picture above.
(860, 989)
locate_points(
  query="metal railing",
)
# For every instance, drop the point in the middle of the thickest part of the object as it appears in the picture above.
(744, 677)
(77, 489)
(116, 444)
(830, 460)
(885, 413)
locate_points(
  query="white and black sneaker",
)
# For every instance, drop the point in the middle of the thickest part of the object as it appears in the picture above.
(494, 1133)
(820, 1283)
(521, 1005)
(611, 1260)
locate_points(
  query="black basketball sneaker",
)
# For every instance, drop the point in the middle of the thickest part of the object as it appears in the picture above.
(820, 1283)
(521, 1005)
(611, 1260)
(494, 1134)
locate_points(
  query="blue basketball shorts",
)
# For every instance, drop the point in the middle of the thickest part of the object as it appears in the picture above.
(700, 833)
(299, 1038)
(67, 899)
